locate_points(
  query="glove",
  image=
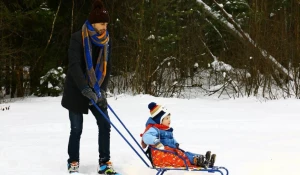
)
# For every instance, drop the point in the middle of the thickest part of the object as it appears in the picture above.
(177, 145)
(102, 102)
(158, 144)
(88, 92)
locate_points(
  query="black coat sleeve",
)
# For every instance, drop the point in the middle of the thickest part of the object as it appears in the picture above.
(76, 62)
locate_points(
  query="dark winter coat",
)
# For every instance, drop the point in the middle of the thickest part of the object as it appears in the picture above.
(76, 79)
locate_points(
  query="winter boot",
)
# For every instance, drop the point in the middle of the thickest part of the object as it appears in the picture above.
(212, 161)
(106, 168)
(73, 167)
(199, 161)
(207, 157)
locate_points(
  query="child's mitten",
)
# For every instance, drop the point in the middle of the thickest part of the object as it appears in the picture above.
(158, 144)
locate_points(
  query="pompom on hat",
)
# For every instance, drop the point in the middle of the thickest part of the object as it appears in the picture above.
(98, 14)
(158, 112)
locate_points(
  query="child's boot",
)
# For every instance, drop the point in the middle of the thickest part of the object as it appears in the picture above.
(73, 167)
(207, 157)
(212, 161)
(199, 161)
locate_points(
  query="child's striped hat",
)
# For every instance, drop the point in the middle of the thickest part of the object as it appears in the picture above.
(158, 112)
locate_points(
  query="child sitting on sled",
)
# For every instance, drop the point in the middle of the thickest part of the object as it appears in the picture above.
(158, 134)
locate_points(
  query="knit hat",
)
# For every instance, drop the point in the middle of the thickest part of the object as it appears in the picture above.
(158, 112)
(99, 13)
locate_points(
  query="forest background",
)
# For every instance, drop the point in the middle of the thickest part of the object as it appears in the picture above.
(163, 48)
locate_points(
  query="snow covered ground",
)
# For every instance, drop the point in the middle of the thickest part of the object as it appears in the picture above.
(250, 137)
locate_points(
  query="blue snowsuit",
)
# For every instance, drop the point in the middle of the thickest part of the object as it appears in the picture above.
(165, 137)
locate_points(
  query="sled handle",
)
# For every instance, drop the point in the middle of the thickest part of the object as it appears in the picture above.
(107, 119)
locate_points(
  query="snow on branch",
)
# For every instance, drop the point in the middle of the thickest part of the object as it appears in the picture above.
(216, 16)
(221, 66)
(236, 28)
(165, 60)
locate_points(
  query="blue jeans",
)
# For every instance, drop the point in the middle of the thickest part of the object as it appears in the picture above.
(76, 120)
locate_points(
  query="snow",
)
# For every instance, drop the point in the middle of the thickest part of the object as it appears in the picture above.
(196, 65)
(249, 136)
(214, 88)
(42, 80)
(50, 85)
(221, 66)
(151, 37)
(248, 75)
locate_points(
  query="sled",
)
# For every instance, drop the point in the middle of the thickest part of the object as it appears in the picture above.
(160, 170)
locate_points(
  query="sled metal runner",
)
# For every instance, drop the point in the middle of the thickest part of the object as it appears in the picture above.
(215, 169)
(160, 170)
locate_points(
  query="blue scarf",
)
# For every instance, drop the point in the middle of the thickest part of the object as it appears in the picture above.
(95, 76)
